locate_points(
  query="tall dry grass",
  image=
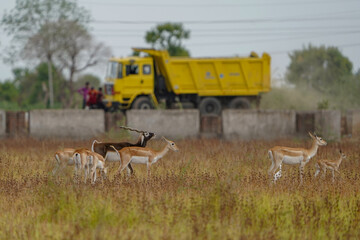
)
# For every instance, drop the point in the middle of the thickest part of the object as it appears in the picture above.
(211, 189)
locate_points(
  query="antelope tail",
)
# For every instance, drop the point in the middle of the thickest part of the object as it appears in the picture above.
(77, 160)
(117, 152)
(57, 158)
(92, 145)
(271, 155)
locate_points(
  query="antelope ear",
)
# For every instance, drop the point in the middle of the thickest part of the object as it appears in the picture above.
(166, 139)
(312, 136)
(340, 151)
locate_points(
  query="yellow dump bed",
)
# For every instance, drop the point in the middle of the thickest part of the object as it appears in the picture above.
(244, 76)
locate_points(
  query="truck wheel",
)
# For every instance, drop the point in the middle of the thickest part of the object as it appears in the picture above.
(239, 103)
(210, 106)
(142, 103)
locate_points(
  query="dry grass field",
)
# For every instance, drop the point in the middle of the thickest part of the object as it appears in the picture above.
(210, 189)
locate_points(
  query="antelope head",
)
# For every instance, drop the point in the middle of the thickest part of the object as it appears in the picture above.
(319, 141)
(171, 145)
(145, 136)
(343, 156)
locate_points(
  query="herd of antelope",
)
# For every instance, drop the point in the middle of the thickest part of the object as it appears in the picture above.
(127, 153)
(124, 152)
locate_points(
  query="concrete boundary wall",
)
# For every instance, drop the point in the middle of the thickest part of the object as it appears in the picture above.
(258, 124)
(67, 123)
(240, 124)
(305, 122)
(169, 123)
(353, 121)
(328, 124)
(2, 123)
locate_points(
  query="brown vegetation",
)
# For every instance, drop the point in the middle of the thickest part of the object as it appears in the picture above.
(210, 189)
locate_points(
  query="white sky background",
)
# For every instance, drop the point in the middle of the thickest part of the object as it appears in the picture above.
(224, 27)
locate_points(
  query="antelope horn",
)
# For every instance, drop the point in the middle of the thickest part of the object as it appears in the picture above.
(132, 129)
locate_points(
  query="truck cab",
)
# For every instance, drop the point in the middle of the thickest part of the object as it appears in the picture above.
(127, 81)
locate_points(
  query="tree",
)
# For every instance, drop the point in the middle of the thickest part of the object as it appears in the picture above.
(169, 36)
(318, 68)
(31, 23)
(43, 45)
(79, 51)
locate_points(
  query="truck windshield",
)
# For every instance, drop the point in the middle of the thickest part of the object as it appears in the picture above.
(114, 70)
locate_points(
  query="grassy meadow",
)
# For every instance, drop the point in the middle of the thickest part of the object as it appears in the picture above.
(210, 189)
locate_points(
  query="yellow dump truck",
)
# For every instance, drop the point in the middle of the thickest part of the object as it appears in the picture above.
(209, 84)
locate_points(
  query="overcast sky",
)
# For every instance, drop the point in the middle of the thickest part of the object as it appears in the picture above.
(224, 27)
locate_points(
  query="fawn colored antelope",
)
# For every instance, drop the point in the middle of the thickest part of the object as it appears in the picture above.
(89, 161)
(293, 156)
(333, 165)
(144, 155)
(63, 158)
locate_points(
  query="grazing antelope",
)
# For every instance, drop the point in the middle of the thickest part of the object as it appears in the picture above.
(332, 165)
(144, 155)
(294, 156)
(105, 149)
(63, 158)
(89, 161)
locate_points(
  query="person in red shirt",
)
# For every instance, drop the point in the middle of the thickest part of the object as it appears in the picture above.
(99, 99)
(92, 98)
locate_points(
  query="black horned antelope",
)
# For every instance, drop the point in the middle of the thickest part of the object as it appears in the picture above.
(293, 156)
(144, 155)
(333, 165)
(105, 149)
(63, 158)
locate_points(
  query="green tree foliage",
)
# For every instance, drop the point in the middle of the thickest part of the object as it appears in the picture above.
(169, 36)
(31, 87)
(8, 91)
(345, 94)
(318, 68)
(323, 79)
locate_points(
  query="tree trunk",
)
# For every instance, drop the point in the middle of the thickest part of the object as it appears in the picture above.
(51, 88)
(69, 103)
(46, 94)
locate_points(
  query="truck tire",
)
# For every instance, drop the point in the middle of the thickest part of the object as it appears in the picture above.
(239, 103)
(142, 103)
(210, 106)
